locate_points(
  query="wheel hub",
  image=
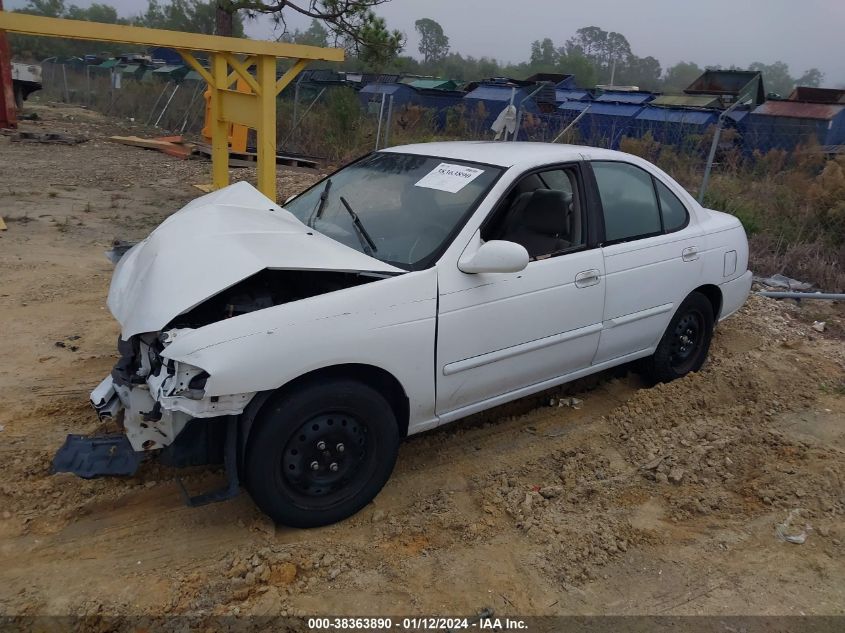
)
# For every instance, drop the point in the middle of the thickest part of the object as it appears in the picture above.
(324, 454)
(686, 339)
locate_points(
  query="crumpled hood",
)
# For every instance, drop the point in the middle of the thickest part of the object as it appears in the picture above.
(212, 243)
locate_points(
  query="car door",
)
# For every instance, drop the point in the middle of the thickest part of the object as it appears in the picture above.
(502, 332)
(651, 257)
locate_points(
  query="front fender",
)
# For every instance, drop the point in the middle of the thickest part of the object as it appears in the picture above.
(388, 324)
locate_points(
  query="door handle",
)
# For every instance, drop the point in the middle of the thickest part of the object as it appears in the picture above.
(689, 254)
(587, 278)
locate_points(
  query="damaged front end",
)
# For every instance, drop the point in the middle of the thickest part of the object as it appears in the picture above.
(156, 396)
(223, 256)
(153, 399)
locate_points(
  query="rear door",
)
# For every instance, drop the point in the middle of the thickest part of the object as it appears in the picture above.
(651, 256)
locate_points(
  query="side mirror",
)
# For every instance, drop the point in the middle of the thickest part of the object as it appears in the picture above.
(495, 256)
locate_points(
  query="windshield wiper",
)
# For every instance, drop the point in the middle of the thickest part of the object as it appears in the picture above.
(321, 204)
(367, 242)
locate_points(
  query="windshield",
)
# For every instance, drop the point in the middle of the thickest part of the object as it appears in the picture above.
(408, 205)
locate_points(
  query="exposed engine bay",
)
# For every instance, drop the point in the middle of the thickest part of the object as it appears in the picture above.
(156, 397)
(266, 289)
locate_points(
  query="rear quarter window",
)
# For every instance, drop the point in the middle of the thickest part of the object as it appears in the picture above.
(675, 214)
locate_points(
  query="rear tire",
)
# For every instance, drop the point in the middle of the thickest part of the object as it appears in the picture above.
(320, 454)
(686, 342)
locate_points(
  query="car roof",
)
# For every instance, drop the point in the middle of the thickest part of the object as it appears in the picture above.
(508, 154)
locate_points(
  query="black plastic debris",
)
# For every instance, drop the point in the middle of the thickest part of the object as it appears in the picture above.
(96, 456)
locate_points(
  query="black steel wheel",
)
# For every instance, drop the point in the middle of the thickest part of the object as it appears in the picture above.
(321, 453)
(686, 342)
(687, 339)
(325, 454)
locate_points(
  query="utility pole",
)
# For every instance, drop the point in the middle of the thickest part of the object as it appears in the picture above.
(713, 147)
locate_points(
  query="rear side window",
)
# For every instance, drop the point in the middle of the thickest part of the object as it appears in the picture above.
(674, 211)
(630, 206)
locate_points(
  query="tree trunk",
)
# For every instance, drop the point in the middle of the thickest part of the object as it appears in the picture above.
(224, 21)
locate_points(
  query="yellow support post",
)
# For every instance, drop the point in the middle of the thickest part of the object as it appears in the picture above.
(266, 130)
(219, 124)
(256, 109)
(238, 134)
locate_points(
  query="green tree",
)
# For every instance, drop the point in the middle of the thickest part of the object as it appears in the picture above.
(617, 50)
(352, 23)
(812, 78)
(39, 48)
(46, 8)
(434, 44)
(681, 75)
(95, 13)
(315, 35)
(376, 45)
(189, 16)
(608, 51)
(575, 63)
(544, 55)
(643, 72)
(776, 77)
(588, 41)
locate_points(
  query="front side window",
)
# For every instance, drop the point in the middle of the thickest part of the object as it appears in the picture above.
(542, 212)
(628, 201)
(407, 206)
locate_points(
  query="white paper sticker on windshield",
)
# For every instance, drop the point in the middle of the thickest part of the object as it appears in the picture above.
(448, 177)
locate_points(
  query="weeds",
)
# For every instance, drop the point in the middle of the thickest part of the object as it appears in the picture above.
(835, 389)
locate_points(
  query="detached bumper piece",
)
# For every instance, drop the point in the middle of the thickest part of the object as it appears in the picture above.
(96, 456)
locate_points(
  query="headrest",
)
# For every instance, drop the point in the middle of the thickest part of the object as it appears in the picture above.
(548, 212)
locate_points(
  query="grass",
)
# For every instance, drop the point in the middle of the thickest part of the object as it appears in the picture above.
(835, 389)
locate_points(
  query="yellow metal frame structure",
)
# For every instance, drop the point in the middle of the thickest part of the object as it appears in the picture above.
(230, 59)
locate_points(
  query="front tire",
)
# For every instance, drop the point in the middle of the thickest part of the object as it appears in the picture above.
(686, 342)
(320, 454)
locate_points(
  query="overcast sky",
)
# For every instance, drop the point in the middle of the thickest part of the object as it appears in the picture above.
(804, 34)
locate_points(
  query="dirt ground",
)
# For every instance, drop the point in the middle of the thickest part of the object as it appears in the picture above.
(625, 500)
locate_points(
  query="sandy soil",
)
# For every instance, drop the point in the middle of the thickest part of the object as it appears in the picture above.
(626, 500)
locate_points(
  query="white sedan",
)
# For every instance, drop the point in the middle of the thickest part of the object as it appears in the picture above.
(414, 287)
